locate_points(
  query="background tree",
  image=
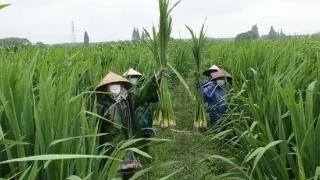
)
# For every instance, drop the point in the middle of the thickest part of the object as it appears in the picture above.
(255, 32)
(249, 35)
(135, 34)
(281, 34)
(15, 41)
(86, 38)
(272, 33)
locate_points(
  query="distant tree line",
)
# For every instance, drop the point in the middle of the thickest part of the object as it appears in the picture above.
(14, 41)
(254, 34)
(249, 35)
(136, 35)
(274, 35)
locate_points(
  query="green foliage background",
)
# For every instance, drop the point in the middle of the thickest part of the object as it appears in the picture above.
(272, 129)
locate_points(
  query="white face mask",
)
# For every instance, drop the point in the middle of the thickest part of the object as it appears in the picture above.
(114, 88)
(134, 81)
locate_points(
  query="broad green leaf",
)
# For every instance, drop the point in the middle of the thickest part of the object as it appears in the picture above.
(11, 142)
(77, 137)
(171, 174)
(261, 151)
(140, 152)
(221, 134)
(57, 157)
(74, 177)
(25, 173)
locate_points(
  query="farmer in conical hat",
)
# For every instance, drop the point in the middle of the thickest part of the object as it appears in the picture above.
(133, 76)
(116, 107)
(117, 104)
(213, 93)
(143, 113)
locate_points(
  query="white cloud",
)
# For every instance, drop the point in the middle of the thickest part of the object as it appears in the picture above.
(50, 20)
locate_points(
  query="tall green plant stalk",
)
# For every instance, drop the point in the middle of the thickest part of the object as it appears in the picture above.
(197, 46)
(274, 118)
(158, 43)
(48, 125)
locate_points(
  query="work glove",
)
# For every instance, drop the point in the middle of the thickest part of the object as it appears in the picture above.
(161, 73)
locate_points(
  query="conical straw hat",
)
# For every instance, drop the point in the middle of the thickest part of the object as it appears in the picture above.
(111, 78)
(132, 72)
(213, 68)
(221, 74)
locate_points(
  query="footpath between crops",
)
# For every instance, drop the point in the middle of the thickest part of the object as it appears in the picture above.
(188, 146)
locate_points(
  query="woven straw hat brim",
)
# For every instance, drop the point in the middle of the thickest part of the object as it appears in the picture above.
(213, 68)
(113, 78)
(221, 74)
(132, 72)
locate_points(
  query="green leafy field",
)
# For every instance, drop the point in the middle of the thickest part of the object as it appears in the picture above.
(48, 124)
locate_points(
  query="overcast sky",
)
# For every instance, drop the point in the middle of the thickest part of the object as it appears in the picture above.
(50, 21)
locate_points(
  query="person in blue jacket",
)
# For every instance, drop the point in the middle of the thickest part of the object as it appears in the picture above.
(214, 92)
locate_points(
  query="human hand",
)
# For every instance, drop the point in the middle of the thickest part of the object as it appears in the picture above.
(161, 73)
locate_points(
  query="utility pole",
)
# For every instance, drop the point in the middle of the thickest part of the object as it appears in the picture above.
(73, 33)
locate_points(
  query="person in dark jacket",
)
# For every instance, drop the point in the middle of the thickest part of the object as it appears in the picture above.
(214, 92)
(117, 105)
